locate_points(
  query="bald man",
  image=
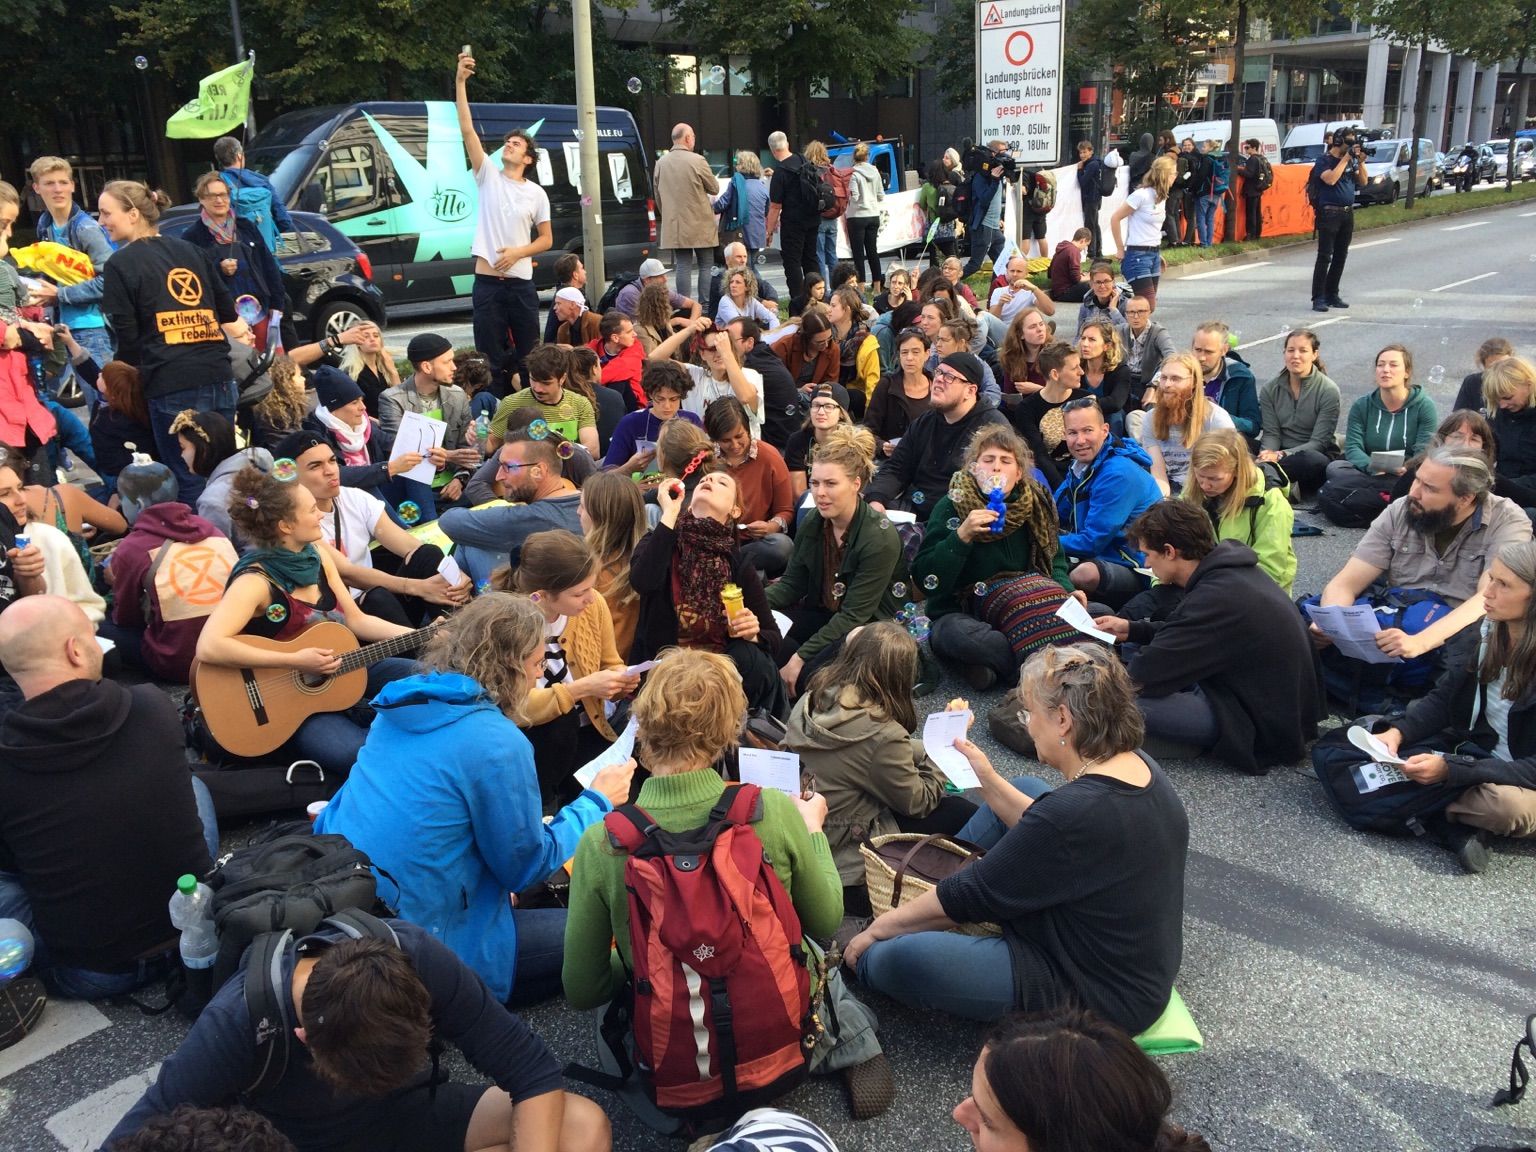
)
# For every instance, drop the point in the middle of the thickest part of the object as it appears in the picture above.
(686, 188)
(99, 813)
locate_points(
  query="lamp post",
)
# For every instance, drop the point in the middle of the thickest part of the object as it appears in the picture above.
(591, 174)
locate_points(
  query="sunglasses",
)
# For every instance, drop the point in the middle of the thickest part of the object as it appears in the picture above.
(1079, 404)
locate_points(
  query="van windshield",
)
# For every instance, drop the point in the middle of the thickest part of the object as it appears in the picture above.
(1301, 154)
(285, 167)
(1381, 151)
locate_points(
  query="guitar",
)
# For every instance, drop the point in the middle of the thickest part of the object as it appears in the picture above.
(253, 711)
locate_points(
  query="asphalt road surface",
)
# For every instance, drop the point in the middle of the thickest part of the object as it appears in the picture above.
(1355, 992)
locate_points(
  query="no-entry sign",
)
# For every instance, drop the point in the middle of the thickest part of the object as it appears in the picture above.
(1018, 76)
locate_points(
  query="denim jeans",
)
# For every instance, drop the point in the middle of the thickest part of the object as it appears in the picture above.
(967, 976)
(82, 983)
(1205, 218)
(826, 250)
(985, 242)
(163, 410)
(98, 342)
(540, 953)
(333, 739)
(502, 305)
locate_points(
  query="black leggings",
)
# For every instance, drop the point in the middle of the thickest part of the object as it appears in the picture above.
(863, 235)
(400, 607)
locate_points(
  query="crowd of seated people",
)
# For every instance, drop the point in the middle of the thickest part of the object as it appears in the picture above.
(596, 583)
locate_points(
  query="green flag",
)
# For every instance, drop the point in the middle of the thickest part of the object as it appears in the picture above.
(221, 105)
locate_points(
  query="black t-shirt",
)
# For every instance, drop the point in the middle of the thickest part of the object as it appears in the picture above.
(787, 189)
(166, 300)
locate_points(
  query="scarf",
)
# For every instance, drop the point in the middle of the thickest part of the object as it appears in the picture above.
(1029, 506)
(288, 570)
(702, 566)
(224, 233)
(352, 442)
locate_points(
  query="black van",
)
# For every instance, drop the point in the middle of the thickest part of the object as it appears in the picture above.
(393, 177)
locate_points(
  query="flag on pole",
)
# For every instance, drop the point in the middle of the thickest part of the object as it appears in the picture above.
(223, 100)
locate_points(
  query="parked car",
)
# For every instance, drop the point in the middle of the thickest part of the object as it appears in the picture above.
(1487, 165)
(1387, 169)
(1442, 163)
(1304, 142)
(1525, 158)
(328, 279)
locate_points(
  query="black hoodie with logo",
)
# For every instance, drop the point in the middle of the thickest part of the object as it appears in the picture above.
(98, 819)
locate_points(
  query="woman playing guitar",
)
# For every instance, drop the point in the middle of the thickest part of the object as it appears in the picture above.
(280, 589)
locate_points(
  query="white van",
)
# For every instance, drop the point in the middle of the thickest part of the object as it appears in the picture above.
(1264, 131)
(1304, 143)
(1387, 170)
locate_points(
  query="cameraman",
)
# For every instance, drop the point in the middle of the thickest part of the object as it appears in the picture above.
(988, 168)
(1335, 176)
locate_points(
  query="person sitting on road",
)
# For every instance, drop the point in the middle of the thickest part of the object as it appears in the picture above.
(1109, 484)
(445, 800)
(577, 324)
(1509, 396)
(1241, 503)
(1069, 1080)
(1104, 301)
(633, 447)
(1038, 414)
(781, 399)
(430, 391)
(854, 733)
(720, 374)
(992, 589)
(1101, 354)
(362, 449)
(1489, 353)
(63, 573)
(1398, 416)
(1470, 430)
(1147, 344)
(1481, 707)
(736, 256)
(1299, 411)
(562, 407)
(612, 514)
(764, 496)
(1180, 414)
(209, 449)
(1440, 538)
(741, 299)
(1227, 380)
(1087, 880)
(653, 271)
(1069, 280)
(366, 1014)
(621, 357)
(1200, 683)
(99, 814)
(186, 1128)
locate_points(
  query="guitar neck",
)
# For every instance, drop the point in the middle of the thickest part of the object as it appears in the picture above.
(373, 653)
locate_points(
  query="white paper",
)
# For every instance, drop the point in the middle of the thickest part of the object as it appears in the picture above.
(1372, 746)
(616, 753)
(896, 516)
(1353, 629)
(638, 669)
(418, 433)
(940, 731)
(105, 645)
(1073, 612)
(768, 768)
(450, 571)
(1387, 461)
(783, 621)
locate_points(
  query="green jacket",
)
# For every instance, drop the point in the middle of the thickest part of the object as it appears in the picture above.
(958, 565)
(1266, 528)
(593, 971)
(871, 564)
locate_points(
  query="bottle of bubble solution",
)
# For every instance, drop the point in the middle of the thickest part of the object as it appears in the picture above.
(191, 911)
(996, 503)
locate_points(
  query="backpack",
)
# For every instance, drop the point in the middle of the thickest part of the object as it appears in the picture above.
(946, 208)
(1404, 808)
(1519, 1076)
(1266, 177)
(1107, 181)
(831, 189)
(610, 297)
(1350, 506)
(162, 594)
(254, 203)
(1363, 688)
(269, 1000)
(1042, 192)
(722, 1023)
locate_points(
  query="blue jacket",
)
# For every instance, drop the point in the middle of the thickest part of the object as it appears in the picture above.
(1094, 508)
(445, 799)
(258, 267)
(238, 178)
(1239, 397)
(80, 304)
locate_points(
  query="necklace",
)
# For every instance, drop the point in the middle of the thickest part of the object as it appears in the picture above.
(1094, 763)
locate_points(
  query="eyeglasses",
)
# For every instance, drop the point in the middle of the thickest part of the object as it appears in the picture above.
(826, 406)
(513, 465)
(949, 376)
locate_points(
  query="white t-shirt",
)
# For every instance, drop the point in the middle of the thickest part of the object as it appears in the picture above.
(1175, 455)
(1022, 299)
(510, 211)
(1145, 226)
(707, 388)
(358, 513)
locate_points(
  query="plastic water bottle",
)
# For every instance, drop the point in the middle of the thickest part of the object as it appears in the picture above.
(482, 430)
(191, 911)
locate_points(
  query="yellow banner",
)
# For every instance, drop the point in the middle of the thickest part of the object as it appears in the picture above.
(223, 100)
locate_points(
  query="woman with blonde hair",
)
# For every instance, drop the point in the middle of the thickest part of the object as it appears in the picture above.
(1086, 880)
(566, 714)
(846, 558)
(369, 363)
(740, 299)
(1139, 249)
(815, 154)
(445, 798)
(612, 515)
(1182, 416)
(1509, 393)
(743, 206)
(280, 413)
(858, 351)
(1224, 480)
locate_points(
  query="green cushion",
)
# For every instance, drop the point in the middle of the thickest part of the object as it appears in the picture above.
(1175, 1031)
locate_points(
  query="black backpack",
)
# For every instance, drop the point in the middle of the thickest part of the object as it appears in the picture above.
(818, 189)
(1107, 181)
(1349, 506)
(945, 208)
(1266, 177)
(611, 297)
(1406, 808)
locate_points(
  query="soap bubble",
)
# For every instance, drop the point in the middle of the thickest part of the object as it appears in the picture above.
(538, 428)
(917, 498)
(284, 470)
(16, 948)
(586, 201)
(1437, 374)
(791, 409)
(1284, 329)
(565, 450)
(930, 582)
(410, 511)
(248, 308)
(839, 590)
(1418, 302)
(898, 589)
(717, 74)
(634, 85)
(884, 524)
(1445, 341)
(904, 614)
(920, 628)
(953, 524)
(142, 64)
(980, 589)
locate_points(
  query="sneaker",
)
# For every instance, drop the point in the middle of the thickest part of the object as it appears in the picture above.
(1319, 305)
(979, 676)
(871, 1087)
(21, 1004)
(1335, 302)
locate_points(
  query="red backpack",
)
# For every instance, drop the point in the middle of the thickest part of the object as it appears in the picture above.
(838, 179)
(720, 990)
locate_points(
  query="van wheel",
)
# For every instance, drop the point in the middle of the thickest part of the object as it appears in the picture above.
(1396, 192)
(336, 317)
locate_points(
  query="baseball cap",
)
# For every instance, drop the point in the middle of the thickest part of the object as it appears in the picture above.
(573, 296)
(652, 267)
(967, 365)
(427, 346)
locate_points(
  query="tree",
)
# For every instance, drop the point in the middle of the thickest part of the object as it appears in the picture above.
(791, 45)
(1420, 23)
(1493, 30)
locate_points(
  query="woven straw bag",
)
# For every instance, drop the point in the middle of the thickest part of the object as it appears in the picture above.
(902, 866)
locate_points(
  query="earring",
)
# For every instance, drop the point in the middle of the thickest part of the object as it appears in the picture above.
(534, 596)
(1063, 741)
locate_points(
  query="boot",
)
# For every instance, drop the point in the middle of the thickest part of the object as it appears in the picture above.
(1469, 844)
(21, 1005)
(871, 1087)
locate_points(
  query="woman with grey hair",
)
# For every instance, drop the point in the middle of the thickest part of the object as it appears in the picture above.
(743, 206)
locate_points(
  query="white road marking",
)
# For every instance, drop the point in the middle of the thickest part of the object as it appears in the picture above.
(1459, 227)
(1523, 215)
(63, 1022)
(84, 1125)
(1225, 271)
(1373, 243)
(1459, 283)
(1283, 335)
